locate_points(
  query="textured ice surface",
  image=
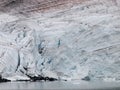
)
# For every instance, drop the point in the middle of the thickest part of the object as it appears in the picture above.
(73, 43)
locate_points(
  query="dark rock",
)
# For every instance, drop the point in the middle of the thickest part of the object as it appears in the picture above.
(87, 78)
(50, 79)
(3, 79)
(39, 78)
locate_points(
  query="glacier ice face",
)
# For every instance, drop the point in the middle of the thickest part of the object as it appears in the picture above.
(17, 48)
(68, 44)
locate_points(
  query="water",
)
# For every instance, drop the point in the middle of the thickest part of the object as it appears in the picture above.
(59, 85)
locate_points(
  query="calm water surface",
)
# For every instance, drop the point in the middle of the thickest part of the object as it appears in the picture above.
(60, 85)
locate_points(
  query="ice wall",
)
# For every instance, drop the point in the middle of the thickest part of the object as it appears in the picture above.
(73, 43)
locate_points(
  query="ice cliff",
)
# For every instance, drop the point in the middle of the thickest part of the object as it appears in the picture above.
(82, 40)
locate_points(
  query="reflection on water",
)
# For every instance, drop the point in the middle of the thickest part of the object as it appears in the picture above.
(60, 85)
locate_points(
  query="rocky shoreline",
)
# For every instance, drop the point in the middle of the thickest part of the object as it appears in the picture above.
(32, 78)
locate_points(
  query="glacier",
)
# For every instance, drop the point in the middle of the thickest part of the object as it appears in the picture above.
(82, 40)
